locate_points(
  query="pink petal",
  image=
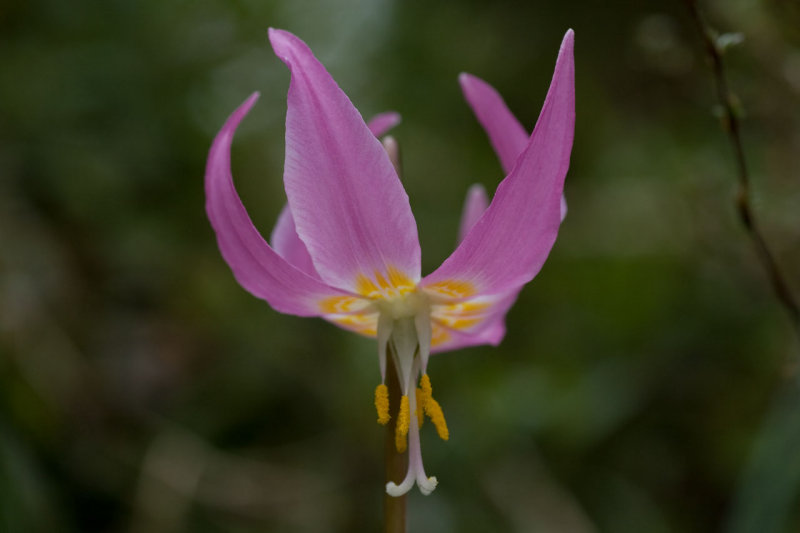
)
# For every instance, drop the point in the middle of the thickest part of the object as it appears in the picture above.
(383, 122)
(492, 335)
(348, 204)
(289, 246)
(508, 245)
(507, 135)
(470, 322)
(284, 236)
(475, 204)
(255, 265)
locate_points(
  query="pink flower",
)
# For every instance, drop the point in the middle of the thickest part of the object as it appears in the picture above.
(346, 249)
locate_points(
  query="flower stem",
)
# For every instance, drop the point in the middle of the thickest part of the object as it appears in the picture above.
(394, 508)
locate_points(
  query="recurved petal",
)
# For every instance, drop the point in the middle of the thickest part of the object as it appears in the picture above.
(507, 136)
(383, 122)
(289, 246)
(348, 204)
(256, 266)
(509, 243)
(474, 205)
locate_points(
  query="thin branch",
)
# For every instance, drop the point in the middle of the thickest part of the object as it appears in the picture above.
(731, 125)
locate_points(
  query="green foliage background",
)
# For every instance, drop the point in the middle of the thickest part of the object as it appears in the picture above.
(645, 384)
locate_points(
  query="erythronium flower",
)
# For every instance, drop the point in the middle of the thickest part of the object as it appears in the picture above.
(346, 249)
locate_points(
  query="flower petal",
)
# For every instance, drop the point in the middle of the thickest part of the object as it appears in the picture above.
(470, 322)
(475, 204)
(284, 236)
(289, 246)
(448, 340)
(255, 265)
(383, 122)
(509, 243)
(348, 204)
(507, 136)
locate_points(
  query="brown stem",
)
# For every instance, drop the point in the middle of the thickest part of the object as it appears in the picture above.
(743, 206)
(395, 464)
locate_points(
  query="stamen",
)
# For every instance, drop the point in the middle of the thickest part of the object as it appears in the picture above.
(385, 325)
(382, 404)
(416, 472)
(426, 388)
(432, 408)
(434, 411)
(419, 410)
(403, 422)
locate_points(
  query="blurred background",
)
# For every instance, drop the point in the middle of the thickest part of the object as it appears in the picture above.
(645, 383)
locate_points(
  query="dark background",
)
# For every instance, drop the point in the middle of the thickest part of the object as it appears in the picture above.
(645, 381)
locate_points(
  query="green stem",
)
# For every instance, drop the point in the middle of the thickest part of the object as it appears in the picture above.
(395, 464)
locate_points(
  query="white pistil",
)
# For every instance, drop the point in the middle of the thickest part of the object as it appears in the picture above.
(416, 470)
(404, 340)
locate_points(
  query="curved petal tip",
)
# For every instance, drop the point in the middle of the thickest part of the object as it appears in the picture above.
(569, 40)
(283, 42)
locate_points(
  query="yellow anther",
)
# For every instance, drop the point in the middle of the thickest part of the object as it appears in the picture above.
(432, 407)
(420, 408)
(403, 421)
(434, 412)
(426, 389)
(382, 404)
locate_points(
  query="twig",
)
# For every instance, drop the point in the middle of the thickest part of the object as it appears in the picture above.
(730, 122)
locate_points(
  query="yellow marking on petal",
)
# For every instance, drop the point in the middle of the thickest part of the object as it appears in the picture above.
(382, 404)
(403, 422)
(400, 281)
(366, 287)
(382, 283)
(432, 408)
(439, 336)
(340, 304)
(420, 409)
(364, 324)
(467, 308)
(458, 323)
(453, 288)
(394, 283)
